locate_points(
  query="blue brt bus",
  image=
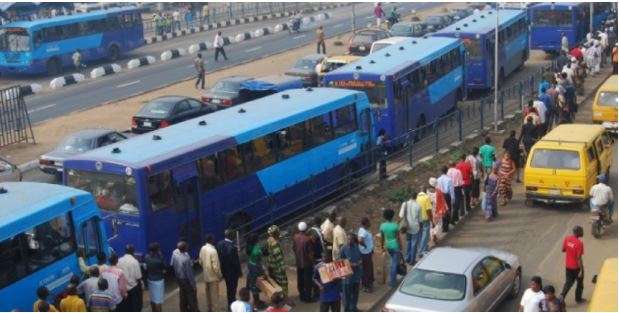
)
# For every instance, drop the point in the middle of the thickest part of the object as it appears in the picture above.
(477, 34)
(550, 19)
(241, 167)
(409, 84)
(46, 45)
(44, 230)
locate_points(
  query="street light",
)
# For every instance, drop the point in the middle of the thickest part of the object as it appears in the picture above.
(496, 71)
(353, 18)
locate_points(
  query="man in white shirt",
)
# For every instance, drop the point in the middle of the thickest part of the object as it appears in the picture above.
(564, 43)
(218, 43)
(133, 274)
(177, 20)
(601, 194)
(533, 296)
(211, 270)
(339, 236)
(411, 211)
(541, 109)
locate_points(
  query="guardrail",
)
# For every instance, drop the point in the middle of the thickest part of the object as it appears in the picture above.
(15, 126)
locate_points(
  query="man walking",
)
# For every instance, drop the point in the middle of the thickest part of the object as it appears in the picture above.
(445, 185)
(211, 270)
(425, 203)
(411, 212)
(533, 296)
(528, 135)
(320, 40)
(458, 182)
(205, 16)
(77, 60)
(230, 265)
(198, 64)
(466, 170)
(303, 252)
(574, 270)
(133, 273)
(218, 43)
(379, 13)
(512, 145)
(183, 270)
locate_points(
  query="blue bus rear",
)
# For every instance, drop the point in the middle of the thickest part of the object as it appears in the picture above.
(550, 20)
(477, 34)
(242, 167)
(47, 45)
(44, 229)
(409, 84)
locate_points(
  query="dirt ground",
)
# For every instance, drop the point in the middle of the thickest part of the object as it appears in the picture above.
(117, 115)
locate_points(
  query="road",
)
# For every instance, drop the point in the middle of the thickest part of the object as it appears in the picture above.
(94, 92)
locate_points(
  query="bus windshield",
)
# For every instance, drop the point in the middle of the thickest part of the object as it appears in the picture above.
(113, 192)
(14, 39)
(552, 18)
(608, 99)
(376, 91)
(473, 47)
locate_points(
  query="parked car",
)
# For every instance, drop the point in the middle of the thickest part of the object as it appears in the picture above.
(479, 281)
(408, 29)
(333, 62)
(9, 171)
(306, 68)
(438, 21)
(76, 143)
(165, 111)
(461, 13)
(225, 93)
(361, 41)
(384, 43)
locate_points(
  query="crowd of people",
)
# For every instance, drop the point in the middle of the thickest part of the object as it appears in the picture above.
(167, 22)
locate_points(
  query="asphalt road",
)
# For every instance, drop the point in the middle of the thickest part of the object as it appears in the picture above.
(93, 92)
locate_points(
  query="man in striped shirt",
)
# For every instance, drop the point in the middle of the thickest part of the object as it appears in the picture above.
(101, 300)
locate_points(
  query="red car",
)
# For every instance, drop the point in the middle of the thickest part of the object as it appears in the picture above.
(361, 41)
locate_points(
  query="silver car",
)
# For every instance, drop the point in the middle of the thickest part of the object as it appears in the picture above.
(76, 143)
(458, 279)
(9, 171)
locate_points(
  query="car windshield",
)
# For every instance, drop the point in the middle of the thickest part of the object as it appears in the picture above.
(75, 144)
(306, 64)
(157, 108)
(14, 39)
(332, 66)
(552, 18)
(556, 159)
(434, 285)
(608, 99)
(401, 28)
(226, 86)
(362, 38)
(379, 46)
(113, 192)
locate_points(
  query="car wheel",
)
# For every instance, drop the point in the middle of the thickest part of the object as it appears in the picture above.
(516, 285)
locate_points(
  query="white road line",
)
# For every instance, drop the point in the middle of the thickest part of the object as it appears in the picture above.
(129, 83)
(298, 37)
(338, 25)
(254, 49)
(45, 107)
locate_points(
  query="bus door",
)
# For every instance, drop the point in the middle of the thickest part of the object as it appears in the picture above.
(90, 239)
(186, 196)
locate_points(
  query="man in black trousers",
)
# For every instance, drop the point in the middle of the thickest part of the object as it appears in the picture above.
(230, 264)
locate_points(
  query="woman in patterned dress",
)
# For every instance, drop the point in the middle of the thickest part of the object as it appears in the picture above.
(275, 261)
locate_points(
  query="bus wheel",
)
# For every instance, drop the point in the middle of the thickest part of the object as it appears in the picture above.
(240, 222)
(113, 53)
(53, 67)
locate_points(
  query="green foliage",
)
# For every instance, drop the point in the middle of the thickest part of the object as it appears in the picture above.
(399, 195)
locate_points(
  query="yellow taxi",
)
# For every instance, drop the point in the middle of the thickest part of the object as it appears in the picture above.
(605, 105)
(604, 297)
(334, 62)
(563, 165)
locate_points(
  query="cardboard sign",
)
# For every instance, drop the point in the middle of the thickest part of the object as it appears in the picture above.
(334, 270)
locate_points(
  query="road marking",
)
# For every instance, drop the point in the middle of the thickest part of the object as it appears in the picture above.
(129, 83)
(298, 37)
(254, 49)
(369, 17)
(338, 25)
(45, 107)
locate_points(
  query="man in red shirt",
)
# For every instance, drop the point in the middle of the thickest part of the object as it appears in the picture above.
(467, 177)
(574, 270)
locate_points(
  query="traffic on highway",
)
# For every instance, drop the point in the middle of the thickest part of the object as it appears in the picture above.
(308, 157)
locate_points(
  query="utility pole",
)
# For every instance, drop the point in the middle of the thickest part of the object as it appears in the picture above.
(353, 18)
(591, 8)
(496, 72)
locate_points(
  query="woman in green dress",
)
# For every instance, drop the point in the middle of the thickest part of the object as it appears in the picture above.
(275, 261)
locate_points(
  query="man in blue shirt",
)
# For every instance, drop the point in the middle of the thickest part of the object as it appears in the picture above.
(329, 292)
(352, 253)
(445, 184)
(544, 97)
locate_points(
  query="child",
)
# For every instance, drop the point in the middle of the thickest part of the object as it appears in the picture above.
(329, 292)
(242, 304)
(277, 303)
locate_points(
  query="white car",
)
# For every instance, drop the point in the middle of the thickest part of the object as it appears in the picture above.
(9, 171)
(457, 280)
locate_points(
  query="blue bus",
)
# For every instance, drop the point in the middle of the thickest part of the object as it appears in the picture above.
(241, 167)
(550, 19)
(46, 45)
(409, 84)
(477, 35)
(44, 231)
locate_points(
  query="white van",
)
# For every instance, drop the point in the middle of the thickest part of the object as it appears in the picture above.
(384, 43)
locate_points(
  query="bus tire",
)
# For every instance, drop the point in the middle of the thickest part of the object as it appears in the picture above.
(53, 67)
(113, 53)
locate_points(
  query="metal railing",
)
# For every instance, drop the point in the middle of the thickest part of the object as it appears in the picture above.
(15, 126)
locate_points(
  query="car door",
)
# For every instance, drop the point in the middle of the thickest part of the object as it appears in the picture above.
(479, 287)
(196, 108)
(182, 112)
(500, 280)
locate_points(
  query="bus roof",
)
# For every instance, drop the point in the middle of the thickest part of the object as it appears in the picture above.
(237, 124)
(610, 84)
(574, 133)
(483, 22)
(34, 203)
(557, 5)
(389, 60)
(64, 19)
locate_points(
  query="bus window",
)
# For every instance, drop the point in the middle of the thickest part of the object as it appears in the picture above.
(345, 120)
(12, 265)
(231, 163)
(160, 191)
(319, 130)
(49, 242)
(112, 192)
(257, 154)
(365, 122)
(552, 18)
(89, 237)
(14, 39)
(211, 175)
(290, 141)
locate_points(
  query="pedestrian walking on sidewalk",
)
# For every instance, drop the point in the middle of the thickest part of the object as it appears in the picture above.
(339, 236)
(425, 203)
(487, 153)
(379, 13)
(254, 268)
(133, 273)
(574, 248)
(218, 43)
(551, 303)
(506, 174)
(183, 270)
(155, 268)
(211, 271)
(533, 296)
(303, 251)
(198, 64)
(512, 145)
(230, 264)
(458, 201)
(366, 247)
(275, 261)
(528, 135)
(330, 299)
(381, 144)
(391, 244)
(491, 191)
(205, 14)
(350, 251)
(474, 159)
(466, 170)
(446, 186)
(439, 208)
(410, 217)
(320, 40)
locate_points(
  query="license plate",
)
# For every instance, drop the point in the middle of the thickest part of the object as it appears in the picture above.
(362, 48)
(147, 124)
(217, 101)
(554, 192)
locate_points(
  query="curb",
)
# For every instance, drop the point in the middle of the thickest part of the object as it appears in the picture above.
(105, 70)
(66, 80)
(139, 62)
(26, 90)
(28, 166)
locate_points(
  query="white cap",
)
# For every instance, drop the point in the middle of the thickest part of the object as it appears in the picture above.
(432, 181)
(302, 226)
